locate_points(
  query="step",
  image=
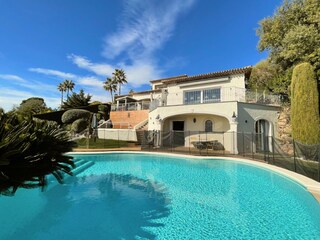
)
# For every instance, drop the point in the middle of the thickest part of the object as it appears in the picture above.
(79, 163)
(81, 168)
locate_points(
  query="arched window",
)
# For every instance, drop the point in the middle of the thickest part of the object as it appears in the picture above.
(208, 126)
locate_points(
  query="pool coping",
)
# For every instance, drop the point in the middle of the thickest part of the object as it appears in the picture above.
(311, 185)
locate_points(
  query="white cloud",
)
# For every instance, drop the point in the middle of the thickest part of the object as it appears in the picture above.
(86, 81)
(141, 72)
(146, 25)
(138, 72)
(12, 77)
(53, 73)
(101, 69)
(90, 81)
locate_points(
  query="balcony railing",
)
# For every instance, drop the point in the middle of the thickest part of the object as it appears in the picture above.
(130, 106)
(226, 94)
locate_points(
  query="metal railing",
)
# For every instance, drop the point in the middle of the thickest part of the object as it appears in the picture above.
(130, 106)
(303, 159)
(227, 94)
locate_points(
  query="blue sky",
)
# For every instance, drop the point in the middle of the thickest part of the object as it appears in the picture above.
(43, 42)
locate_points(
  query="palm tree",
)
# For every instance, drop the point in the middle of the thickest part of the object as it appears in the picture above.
(120, 78)
(111, 86)
(69, 85)
(62, 88)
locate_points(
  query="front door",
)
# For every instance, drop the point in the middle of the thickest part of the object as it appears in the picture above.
(178, 133)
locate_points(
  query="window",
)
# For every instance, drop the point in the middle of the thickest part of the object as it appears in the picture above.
(202, 96)
(192, 97)
(208, 126)
(211, 95)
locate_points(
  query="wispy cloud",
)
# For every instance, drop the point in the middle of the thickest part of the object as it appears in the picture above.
(101, 69)
(138, 72)
(53, 73)
(90, 81)
(146, 25)
(12, 77)
(144, 28)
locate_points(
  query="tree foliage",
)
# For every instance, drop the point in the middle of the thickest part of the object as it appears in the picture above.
(111, 86)
(79, 125)
(119, 77)
(73, 114)
(69, 85)
(266, 75)
(62, 88)
(292, 34)
(29, 107)
(29, 151)
(304, 105)
(77, 100)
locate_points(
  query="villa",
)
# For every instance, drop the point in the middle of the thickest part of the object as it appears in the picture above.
(191, 110)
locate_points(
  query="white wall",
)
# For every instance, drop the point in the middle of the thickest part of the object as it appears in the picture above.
(248, 114)
(228, 84)
(117, 134)
(222, 109)
(146, 96)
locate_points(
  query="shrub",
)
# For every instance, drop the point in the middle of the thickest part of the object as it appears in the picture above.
(305, 105)
(31, 150)
(73, 114)
(79, 125)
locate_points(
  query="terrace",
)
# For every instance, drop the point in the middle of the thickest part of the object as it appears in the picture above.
(202, 96)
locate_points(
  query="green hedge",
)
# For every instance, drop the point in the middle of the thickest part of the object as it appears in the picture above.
(71, 115)
(79, 125)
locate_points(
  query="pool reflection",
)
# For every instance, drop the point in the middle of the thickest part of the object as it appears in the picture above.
(108, 206)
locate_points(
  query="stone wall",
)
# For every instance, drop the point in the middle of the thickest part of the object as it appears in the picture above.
(285, 131)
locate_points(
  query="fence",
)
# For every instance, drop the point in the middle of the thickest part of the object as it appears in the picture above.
(304, 159)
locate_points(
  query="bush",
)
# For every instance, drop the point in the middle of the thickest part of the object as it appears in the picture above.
(71, 115)
(79, 125)
(31, 150)
(305, 105)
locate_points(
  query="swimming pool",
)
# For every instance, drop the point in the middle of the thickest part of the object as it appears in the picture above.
(143, 196)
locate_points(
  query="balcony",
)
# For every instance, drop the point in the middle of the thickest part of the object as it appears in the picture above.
(217, 95)
(132, 106)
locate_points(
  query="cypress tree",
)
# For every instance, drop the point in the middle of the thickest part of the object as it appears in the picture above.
(305, 105)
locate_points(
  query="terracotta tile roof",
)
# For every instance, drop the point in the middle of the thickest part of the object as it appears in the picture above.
(169, 78)
(183, 78)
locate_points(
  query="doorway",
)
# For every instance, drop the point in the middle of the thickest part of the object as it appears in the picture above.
(178, 133)
(262, 130)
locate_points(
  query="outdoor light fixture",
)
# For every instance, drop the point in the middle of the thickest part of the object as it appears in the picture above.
(194, 120)
(234, 117)
(158, 118)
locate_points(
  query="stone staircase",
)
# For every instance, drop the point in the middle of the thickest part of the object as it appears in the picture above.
(140, 137)
(140, 132)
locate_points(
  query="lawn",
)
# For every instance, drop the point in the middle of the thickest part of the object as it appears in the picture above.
(100, 143)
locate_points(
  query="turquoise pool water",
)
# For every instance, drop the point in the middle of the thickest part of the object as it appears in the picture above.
(142, 196)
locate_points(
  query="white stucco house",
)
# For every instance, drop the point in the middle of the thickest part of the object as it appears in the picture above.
(207, 107)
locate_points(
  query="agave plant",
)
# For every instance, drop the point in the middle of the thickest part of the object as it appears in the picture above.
(31, 150)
